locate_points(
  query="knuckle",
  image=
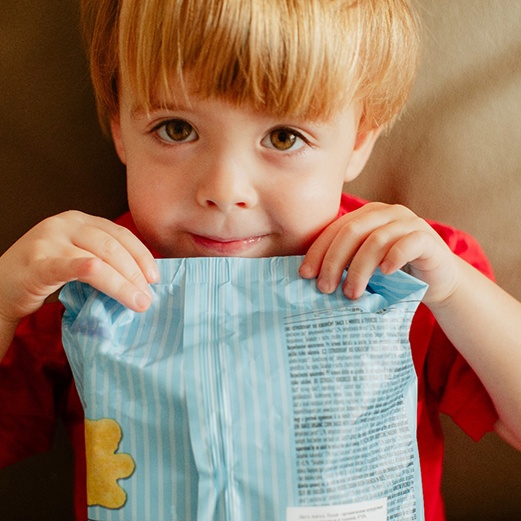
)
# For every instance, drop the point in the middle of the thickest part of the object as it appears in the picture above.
(136, 278)
(378, 239)
(328, 266)
(376, 205)
(123, 233)
(354, 273)
(87, 269)
(402, 210)
(74, 214)
(421, 237)
(110, 246)
(332, 267)
(352, 229)
(48, 226)
(126, 237)
(59, 222)
(70, 215)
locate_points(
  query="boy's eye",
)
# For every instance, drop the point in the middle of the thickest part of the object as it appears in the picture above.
(283, 139)
(176, 131)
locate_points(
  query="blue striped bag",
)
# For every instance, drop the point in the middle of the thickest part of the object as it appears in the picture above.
(244, 394)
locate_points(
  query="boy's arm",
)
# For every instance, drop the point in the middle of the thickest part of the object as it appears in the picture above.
(482, 321)
(66, 247)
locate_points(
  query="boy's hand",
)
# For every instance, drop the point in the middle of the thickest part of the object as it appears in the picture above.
(74, 246)
(388, 236)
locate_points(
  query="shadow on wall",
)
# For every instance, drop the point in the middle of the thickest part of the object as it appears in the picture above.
(52, 154)
(39, 488)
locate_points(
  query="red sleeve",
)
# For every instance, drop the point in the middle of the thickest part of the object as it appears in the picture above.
(35, 381)
(36, 385)
(460, 393)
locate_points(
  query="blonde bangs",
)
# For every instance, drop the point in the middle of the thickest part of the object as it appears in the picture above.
(303, 58)
(268, 54)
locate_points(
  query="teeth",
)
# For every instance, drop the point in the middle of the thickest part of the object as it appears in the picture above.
(246, 240)
(249, 240)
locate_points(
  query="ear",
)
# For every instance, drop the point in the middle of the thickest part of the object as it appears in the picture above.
(115, 129)
(362, 150)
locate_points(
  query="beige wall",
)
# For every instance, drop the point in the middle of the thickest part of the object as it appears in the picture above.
(455, 156)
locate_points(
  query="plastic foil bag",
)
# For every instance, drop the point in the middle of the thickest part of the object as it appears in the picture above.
(244, 393)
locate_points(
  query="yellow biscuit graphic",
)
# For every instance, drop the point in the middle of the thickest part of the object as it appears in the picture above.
(104, 466)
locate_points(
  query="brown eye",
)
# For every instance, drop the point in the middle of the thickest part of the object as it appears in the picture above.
(283, 138)
(176, 130)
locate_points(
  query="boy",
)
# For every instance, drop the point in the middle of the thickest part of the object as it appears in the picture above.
(239, 123)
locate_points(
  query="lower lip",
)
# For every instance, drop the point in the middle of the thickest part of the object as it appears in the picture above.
(235, 247)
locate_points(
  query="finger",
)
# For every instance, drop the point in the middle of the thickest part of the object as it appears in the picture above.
(351, 228)
(415, 249)
(140, 253)
(52, 274)
(102, 276)
(340, 242)
(118, 248)
(78, 224)
(370, 255)
(346, 237)
(337, 258)
(391, 248)
(108, 280)
(312, 262)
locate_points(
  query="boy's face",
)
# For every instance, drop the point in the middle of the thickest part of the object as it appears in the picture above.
(211, 179)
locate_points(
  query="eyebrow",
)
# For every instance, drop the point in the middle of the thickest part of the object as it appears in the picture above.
(138, 110)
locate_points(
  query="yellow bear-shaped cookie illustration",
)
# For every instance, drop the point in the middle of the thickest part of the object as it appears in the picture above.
(104, 466)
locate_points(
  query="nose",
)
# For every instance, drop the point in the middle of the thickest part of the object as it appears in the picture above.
(226, 184)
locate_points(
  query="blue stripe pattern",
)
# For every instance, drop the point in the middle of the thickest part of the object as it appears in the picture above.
(243, 391)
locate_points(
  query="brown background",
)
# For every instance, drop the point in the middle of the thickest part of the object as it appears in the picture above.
(455, 156)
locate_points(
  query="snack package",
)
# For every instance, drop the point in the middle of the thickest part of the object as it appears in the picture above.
(244, 393)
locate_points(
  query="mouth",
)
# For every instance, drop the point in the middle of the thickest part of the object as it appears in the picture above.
(226, 246)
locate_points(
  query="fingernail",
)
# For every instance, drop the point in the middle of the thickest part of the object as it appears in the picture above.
(142, 301)
(306, 271)
(323, 285)
(350, 291)
(348, 294)
(153, 274)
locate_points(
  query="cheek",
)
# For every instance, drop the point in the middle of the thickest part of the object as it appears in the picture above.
(148, 184)
(322, 192)
(140, 194)
(147, 199)
(310, 206)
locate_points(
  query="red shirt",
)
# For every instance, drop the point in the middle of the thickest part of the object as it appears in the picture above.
(36, 385)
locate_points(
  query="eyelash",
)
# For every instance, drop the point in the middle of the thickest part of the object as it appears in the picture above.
(155, 131)
(290, 131)
(304, 142)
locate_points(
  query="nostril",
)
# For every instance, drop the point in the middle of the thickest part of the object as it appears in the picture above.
(210, 203)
